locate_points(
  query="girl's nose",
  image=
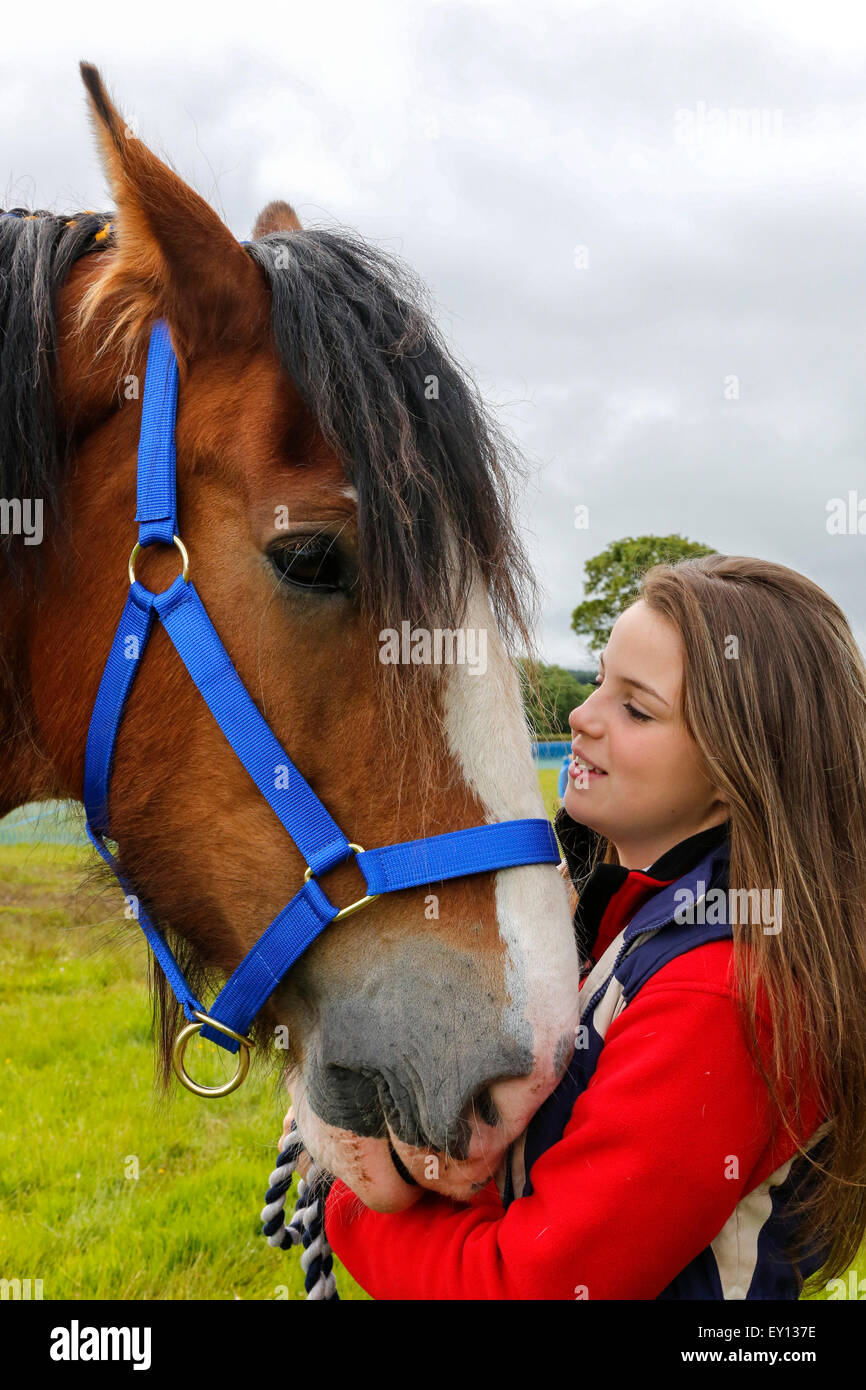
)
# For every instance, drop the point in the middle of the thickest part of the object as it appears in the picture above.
(585, 718)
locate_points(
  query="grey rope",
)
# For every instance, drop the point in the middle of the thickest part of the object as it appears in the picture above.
(307, 1225)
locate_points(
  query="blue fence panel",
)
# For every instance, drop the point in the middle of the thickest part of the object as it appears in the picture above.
(45, 822)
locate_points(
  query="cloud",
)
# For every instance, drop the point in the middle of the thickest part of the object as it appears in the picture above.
(642, 226)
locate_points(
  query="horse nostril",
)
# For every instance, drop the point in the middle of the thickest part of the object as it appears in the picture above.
(483, 1107)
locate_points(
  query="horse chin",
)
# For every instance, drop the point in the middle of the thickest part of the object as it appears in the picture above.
(368, 1166)
(457, 1179)
(365, 1165)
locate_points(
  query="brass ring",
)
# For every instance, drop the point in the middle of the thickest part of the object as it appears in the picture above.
(353, 907)
(184, 555)
(183, 1076)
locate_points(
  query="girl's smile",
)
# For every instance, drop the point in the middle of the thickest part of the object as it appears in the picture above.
(581, 768)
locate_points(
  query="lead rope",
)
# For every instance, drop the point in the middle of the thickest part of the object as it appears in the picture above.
(307, 1225)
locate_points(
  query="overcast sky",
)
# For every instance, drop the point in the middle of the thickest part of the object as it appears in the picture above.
(663, 295)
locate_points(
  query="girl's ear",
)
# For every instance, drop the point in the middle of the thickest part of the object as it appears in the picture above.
(720, 805)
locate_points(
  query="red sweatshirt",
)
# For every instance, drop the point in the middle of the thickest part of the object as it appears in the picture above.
(641, 1181)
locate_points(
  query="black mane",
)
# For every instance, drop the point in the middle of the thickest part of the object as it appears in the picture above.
(37, 251)
(354, 333)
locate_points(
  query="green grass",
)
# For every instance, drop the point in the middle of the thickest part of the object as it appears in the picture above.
(548, 780)
(78, 1120)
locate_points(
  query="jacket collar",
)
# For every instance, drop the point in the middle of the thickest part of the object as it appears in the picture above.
(612, 894)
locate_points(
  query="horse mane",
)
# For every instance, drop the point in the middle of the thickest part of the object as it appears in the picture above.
(37, 251)
(353, 330)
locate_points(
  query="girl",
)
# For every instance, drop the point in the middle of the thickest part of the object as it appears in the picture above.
(709, 1137)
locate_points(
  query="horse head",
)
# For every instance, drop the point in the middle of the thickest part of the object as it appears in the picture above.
(343, 497)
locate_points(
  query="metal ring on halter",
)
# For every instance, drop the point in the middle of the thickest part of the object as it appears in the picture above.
(183, 1076)
(184, 555)
(353, 907)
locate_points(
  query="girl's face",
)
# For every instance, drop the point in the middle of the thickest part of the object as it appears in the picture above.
(649, 790)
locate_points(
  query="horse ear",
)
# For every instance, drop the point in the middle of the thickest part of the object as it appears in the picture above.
(174, 258)
(276, 217)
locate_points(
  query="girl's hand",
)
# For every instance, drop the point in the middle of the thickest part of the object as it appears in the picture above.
(304, 1160)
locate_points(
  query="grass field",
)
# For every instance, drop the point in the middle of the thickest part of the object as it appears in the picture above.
(103, 1194)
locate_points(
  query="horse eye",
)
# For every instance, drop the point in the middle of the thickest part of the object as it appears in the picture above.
(308, 562)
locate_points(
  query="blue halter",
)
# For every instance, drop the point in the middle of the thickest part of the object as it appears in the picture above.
(320, 841)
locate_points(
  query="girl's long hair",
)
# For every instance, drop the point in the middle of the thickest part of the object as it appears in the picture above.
(774, 696)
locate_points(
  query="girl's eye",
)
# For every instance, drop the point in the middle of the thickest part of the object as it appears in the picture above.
(308, 563)
(636, 713)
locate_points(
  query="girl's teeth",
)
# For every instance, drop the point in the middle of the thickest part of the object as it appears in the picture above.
(589, 767)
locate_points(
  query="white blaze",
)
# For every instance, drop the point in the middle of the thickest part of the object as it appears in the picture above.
(487, 734)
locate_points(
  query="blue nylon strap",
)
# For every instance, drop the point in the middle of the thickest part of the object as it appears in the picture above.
(409, 865)
(121, 668)
(276, 950)
(499, 846)
(157, 486)
(158, 944)
(318, 837)
(124, 658)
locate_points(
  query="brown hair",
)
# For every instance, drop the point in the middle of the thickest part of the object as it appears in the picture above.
(774, 696)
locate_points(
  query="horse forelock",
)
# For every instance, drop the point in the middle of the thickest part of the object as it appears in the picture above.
(433, 474)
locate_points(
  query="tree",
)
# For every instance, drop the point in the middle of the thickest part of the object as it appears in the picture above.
(612, 579)
(550, 693)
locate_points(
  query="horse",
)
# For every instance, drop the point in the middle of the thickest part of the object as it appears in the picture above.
(340, 480)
